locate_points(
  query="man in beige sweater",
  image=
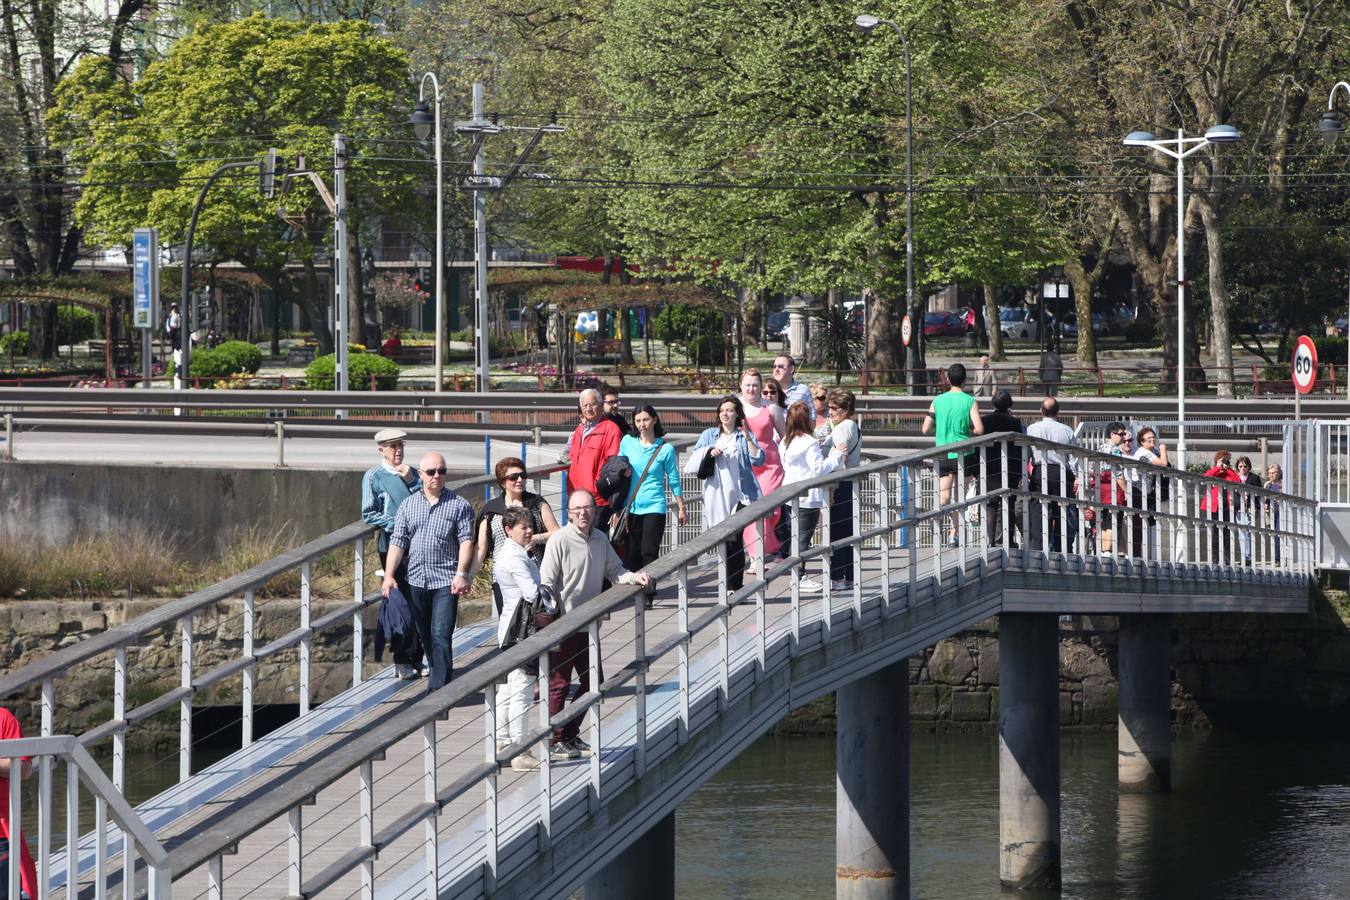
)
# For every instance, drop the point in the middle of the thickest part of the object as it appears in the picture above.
(577, 560)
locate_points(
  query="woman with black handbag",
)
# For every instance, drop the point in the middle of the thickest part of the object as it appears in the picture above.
(516, 588)
(724, 459)
(638, 529)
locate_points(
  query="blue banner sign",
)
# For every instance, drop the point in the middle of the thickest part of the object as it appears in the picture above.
(145, 277)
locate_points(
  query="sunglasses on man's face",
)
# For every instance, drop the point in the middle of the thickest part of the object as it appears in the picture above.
(441, 471)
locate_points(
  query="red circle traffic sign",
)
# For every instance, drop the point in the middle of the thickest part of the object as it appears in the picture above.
(1304, 364)
(906, 330)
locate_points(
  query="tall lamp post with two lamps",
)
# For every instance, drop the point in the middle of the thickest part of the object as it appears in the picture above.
(915, 373)
(1330, 128)
(1179, 148)
(427, 123)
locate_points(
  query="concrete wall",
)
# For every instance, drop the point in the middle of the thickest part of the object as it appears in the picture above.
(203, 505)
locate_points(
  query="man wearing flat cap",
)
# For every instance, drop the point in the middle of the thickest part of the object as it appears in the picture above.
(383, 489)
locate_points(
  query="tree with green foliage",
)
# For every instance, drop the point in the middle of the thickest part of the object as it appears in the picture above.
(228, 92)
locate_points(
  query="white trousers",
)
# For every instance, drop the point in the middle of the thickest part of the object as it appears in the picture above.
(513, 703)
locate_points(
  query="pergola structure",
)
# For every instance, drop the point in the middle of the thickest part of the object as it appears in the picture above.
(87, 292)
(569, 292)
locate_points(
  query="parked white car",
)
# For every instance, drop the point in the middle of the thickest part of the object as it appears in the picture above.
(1018, 322)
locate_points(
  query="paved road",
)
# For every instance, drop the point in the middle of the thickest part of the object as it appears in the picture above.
(246, 452)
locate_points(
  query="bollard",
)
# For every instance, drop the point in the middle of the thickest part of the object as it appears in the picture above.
(281, 444)
(9, 436)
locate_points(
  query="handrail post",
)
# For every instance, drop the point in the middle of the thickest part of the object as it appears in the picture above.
(8, 453)
(307, 641)
(246, 692)
(45, 812)
(431, 877)
(367, 828)
(295, 850)
(640, 682)
(185, 705)
(358, 618)
(281, 444)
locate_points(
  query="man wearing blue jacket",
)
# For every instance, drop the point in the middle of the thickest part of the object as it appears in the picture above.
(383, 488)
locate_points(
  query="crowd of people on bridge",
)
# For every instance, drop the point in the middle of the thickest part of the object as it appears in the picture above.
(623, 478)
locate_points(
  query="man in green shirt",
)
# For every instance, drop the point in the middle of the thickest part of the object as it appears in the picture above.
(956, 418)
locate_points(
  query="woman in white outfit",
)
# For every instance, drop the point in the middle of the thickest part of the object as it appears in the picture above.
(803, 460)
(515, 575)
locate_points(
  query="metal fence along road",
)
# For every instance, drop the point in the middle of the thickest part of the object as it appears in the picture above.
(388, 791)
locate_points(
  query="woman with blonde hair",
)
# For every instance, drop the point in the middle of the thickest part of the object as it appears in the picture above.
(764, 416)
(803, 460)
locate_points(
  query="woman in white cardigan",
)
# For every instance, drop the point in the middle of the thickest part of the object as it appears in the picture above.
(803, 460)
(515, 580)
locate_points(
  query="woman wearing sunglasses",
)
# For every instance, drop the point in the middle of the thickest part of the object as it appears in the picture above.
(511, 476)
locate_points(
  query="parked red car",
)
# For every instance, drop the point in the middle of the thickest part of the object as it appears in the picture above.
(943, 324)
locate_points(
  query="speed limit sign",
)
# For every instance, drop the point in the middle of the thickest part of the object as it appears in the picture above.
(906, 330)
(1305, 364)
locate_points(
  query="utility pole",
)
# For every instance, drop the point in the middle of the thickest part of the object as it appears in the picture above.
(341, 274)
(478, 127)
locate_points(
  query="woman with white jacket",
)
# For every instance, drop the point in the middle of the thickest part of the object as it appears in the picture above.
(803, 459)
(515, 579)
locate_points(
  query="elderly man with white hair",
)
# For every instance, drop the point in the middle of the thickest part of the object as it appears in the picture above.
(595, 440)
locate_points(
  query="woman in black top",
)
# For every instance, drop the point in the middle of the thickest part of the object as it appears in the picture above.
(511, 476)
(1244, 505)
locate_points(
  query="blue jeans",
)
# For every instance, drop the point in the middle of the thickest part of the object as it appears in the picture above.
(434, 613)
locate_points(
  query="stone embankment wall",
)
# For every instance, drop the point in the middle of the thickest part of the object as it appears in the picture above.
(29, 629)
(1233, 671)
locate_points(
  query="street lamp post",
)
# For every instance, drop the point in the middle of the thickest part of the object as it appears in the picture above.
(1179, 148)
(915, 373)
(1330, 128)
(427, 123)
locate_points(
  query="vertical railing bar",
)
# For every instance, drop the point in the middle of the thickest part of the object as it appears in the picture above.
(367, 828)
(1044, 512)
(215, 878)
(249, 671)
(594, 713)
(883, 495)
(856, 487)
(430, 842)
(306, 642)
(912, 533)
(128, 866)
(491, 786)
(46, 814)
(1009, 499)
(682, 622)
(72, 830)
(761, 602)
(798, 570)
(358, 616)
(15, 825)
(295, 850)
(640, 680)
(723, 631)
(100, 848)
(185, 705)
(545, 764)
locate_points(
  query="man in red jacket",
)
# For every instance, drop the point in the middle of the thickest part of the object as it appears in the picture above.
(595, 440)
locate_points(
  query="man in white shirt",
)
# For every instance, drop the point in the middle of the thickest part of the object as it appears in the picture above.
(1058, 474)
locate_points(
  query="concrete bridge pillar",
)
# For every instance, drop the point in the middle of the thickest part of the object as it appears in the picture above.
(1144, 727)
(1028, 750)
(646, 868)
(872, 786)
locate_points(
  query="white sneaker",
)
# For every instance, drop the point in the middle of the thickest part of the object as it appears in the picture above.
(808, 584)
(841, 585)
(525, 762)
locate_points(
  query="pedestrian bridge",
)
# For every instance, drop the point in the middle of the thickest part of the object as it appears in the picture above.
(387, 791)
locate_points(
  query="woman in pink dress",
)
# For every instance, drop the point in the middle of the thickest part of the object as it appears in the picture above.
(766, 419)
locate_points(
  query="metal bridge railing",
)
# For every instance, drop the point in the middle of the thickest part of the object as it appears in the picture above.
(431, 777)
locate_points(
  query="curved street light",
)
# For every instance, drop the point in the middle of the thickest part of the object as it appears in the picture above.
(1179, 148)
(1330, 128)
(427, 123)
(915, 374)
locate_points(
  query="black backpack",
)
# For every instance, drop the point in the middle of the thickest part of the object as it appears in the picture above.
(614, 479)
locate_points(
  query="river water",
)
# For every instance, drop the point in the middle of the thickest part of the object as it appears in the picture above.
(1248, 817)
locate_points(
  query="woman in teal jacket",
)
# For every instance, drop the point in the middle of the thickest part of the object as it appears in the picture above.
(647, 496)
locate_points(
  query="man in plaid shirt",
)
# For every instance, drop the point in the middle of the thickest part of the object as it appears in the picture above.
(434, 528)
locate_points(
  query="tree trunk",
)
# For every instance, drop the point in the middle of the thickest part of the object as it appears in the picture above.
(991, 319)
(1221, 344)
(1083, 289)
(625, 324)
(752, 317)
(313, 299)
